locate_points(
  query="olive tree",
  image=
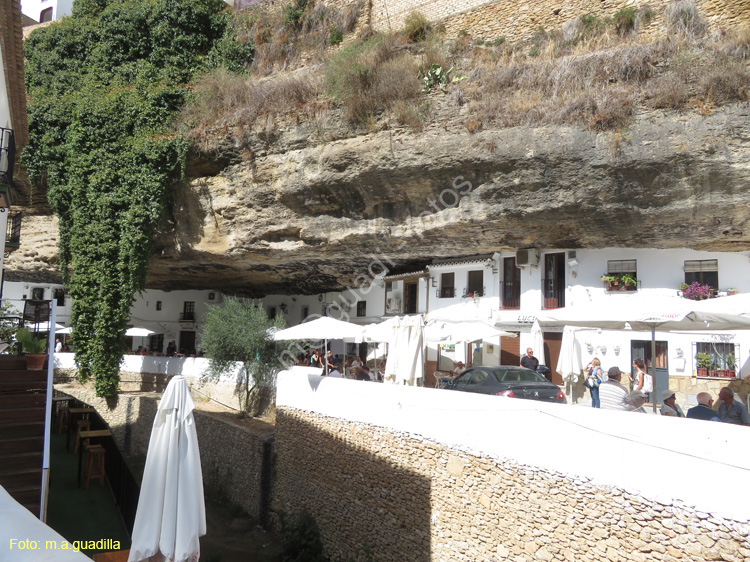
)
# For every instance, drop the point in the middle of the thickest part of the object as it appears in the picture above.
(240, 332)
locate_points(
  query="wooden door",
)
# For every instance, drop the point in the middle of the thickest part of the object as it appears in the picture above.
(510, 350)
(552, 344)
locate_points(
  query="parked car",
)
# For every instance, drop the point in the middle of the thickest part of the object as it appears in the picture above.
(510, 381)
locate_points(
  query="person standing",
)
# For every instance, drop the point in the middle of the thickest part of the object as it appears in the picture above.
(670, 406)
(58, 345)
(731, 410)
(529, 361)
(612, 395)
(641, 380)
(703, 410)
(593, 380)
(315, 360)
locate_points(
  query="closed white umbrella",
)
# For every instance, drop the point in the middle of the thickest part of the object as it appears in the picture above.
(171, 511)
(569, 363)
(537, 341)
(406, 351)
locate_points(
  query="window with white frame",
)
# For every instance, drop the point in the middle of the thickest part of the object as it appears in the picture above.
(716, 359)
(475, 285)
(705, 272)
(622, 275)
(447, 285)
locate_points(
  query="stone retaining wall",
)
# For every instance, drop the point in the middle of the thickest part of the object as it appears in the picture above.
(382, 495)
(520, 19)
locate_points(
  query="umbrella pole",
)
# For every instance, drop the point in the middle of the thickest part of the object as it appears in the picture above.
(325, 355)
(653, 364)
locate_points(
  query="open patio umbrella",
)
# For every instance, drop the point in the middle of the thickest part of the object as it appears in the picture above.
(469, 331)
(652, 313)
(323, 328)
(171, 512)
(139, 333)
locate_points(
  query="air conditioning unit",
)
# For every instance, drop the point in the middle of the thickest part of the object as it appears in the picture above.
(393, 305)
(527, 257)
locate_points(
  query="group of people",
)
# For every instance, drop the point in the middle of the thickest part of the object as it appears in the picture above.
(641, 383)
(612, 395)
(334, 366)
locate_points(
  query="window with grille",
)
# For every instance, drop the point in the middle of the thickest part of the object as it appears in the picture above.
(705, 272)
(447, 285)
(158, 305)
(305, 312)
(37, 294)
(511, 284)
(60, 297)
(362, 308)
(716, 359)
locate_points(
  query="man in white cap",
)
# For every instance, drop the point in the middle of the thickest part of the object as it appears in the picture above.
(670, 406)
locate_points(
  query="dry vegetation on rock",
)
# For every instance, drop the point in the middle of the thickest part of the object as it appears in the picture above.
(592, 72)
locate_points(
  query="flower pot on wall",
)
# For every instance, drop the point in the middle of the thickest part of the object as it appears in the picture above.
(702, 372)
(35, 362)
(730, 374)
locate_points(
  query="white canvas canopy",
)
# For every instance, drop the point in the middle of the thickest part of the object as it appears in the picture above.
(321, 328)
(569, 363)
(139, 332)
(469, 331)
(171, 512)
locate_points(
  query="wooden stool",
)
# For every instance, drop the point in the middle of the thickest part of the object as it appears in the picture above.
(63, 419)
(94, 465)
(82, 425)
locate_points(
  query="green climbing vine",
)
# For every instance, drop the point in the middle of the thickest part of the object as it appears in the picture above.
(104, 86)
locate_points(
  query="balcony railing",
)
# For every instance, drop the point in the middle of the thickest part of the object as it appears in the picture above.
(7, 155)
(446, 292)
(13, 234)
(187, 317)
(553, 293)
(511, 303)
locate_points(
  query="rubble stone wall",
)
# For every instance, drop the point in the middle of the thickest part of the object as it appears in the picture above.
(519, 19)
(382, 495)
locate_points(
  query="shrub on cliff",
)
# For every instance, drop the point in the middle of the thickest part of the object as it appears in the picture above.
(103, 86)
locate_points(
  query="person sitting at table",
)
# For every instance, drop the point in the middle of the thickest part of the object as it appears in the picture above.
(356, 362)
(363, 374)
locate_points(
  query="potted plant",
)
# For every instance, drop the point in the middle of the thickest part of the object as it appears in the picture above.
(629, 280)
(35, 350)
(731, 292)
(731, 363)
(704, 362)
(613, 282)
(697, 292)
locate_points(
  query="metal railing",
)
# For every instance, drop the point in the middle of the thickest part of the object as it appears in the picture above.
(187, 316)
(553, 293)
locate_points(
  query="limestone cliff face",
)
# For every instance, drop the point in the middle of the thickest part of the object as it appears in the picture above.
(279, 210)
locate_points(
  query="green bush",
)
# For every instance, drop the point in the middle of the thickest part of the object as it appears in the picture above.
(99, 135)
(416, 27)
(369, 76)
(335, 36)
(293, 13)
(624, 21)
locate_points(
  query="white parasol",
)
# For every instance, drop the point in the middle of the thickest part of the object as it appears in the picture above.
(171, 512)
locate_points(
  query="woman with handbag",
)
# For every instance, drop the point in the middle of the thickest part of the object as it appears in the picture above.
(594, 379)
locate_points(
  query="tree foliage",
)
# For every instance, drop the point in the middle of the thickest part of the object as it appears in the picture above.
(240, 332)
(104, 85)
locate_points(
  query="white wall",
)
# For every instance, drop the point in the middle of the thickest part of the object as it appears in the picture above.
(60, 8)
(656, 456)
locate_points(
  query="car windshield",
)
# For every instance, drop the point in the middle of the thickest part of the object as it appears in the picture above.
(518, 375)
